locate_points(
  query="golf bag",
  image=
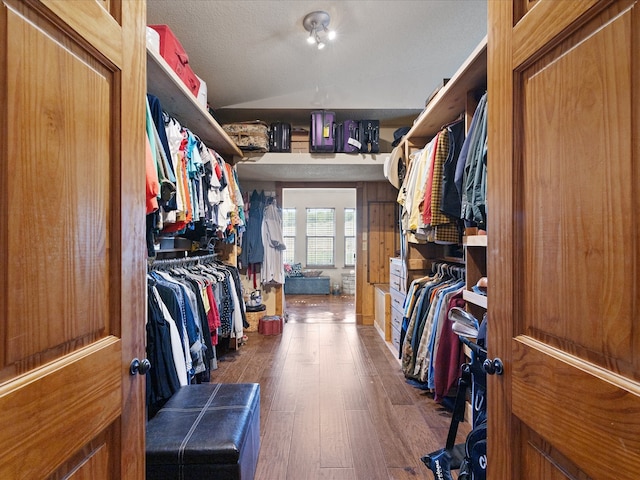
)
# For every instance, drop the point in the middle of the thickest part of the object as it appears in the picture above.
(470, 458)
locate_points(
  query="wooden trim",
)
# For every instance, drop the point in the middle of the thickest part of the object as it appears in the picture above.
(559, 22)
(450, 101)
(130, 242)
(178, 100)
(109, 36)
(500, 268)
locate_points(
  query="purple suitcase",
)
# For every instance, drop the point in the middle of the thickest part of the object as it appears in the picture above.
(347, 137)
(322, 138)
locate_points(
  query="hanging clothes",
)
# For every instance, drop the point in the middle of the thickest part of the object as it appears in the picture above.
(273, 241)
(252, 246)
(425, 321)
(422, 218)
(474, 174)
(192, 303)
(199, 193)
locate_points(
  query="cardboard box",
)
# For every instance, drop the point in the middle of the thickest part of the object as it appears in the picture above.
(299, 134)
(300, 147)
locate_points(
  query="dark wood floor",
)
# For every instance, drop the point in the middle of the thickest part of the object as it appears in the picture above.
(320, 308)
(334, 402)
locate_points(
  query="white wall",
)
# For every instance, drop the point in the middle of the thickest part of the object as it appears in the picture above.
(337, 198)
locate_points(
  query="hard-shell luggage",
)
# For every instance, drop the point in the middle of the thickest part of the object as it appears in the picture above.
(347, 134)
(322, 131)
(369, 131)
(280, 137)
(249, 136)
(171, 50)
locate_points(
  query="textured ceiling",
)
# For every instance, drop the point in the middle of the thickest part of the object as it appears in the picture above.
(387, 59)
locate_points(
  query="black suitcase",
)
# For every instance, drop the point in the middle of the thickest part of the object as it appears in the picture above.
(280, 137)
(369, 136)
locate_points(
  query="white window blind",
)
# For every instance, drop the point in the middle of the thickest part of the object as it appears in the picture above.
(289, 234)
(321, 228)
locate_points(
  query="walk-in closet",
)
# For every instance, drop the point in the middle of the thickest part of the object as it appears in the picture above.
(348, 239)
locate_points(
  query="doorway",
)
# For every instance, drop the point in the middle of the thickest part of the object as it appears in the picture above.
(319, 229)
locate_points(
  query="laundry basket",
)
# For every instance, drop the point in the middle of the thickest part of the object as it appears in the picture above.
(254, 317)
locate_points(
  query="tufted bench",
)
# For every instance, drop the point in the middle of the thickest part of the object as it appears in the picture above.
(206, 431)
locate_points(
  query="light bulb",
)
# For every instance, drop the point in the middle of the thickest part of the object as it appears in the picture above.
(320, 46)
(311, 38)
(331, 35)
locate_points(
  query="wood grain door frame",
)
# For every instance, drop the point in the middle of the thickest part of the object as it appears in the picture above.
(359, 188)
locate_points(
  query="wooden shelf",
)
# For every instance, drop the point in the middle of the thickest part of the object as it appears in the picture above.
(475, 241)
(180, 103)
(472, 297)
(451, 100)
(285, 158)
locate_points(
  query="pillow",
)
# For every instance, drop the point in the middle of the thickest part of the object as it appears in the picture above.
(295, 271)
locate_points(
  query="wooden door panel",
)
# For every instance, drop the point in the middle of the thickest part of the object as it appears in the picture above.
(564, 124)
(81, 398)
(94, 465)
(72, 286)
(60, 304)
(576, 286)
(382, 218)
(555, 393)
(541, 461)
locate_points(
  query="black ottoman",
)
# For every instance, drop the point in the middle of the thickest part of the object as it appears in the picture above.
(206, 431)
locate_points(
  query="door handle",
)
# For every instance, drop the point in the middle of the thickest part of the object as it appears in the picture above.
(139, 366)
(493, 367)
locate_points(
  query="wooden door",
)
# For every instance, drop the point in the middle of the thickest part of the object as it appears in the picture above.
(382, 240)
(564, 251)
(72, 282)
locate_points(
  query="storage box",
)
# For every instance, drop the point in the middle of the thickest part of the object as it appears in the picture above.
(299, 135)
(299, 140)
(202, 93)
(173, 53)
(307, 286)
(207, 430)
(270, 325)
(349, 283)
(153, 40)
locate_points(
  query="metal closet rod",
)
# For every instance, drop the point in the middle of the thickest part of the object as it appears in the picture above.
(183, 261)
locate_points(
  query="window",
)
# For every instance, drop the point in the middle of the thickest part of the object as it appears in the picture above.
(289, 234)
(349, 237)
(321, 230)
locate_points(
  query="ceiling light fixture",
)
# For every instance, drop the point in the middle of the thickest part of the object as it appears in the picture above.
(316, 23)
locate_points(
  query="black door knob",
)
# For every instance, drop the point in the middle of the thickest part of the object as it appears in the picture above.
(139, 366)
(493, 367)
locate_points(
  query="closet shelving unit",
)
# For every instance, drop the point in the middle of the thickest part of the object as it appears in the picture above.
(176, 99)
(475, 247)
(458, 98)
(179, 102)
